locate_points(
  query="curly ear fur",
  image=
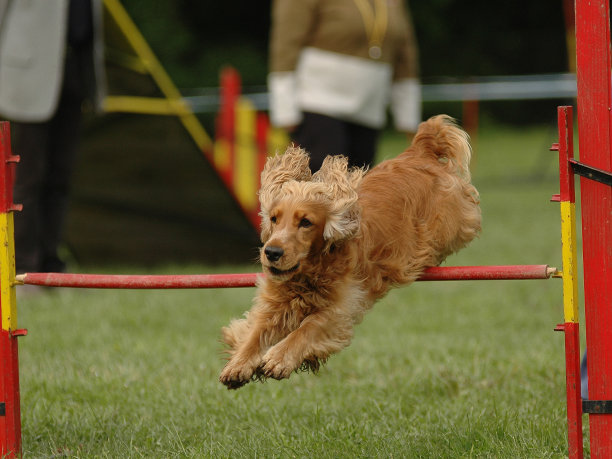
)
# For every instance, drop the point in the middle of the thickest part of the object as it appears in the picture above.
(344, 215)
(340, 181)
(279, 169)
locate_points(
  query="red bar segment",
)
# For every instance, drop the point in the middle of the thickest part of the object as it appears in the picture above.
(504, 272)
(127, 281)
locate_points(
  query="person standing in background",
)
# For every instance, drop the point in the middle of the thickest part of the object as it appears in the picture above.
(51, 61)
(334, 67)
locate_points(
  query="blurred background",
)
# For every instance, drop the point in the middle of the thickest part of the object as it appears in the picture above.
(143, 191)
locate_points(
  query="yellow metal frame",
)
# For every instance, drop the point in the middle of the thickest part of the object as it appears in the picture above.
(569, 259)
(173, 103)
(238, 161)
(7, 273)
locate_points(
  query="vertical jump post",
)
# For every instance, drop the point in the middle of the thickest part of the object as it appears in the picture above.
(594, 103)
(570, 327)
(10, 413)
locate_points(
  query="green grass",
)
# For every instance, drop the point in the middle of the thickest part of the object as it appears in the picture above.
(457, 369)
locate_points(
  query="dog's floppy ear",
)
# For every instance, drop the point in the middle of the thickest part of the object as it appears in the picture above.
(344, 214)
(279, 169)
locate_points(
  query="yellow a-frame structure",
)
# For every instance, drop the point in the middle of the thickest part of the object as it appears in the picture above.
(146, 62)
(238, 164)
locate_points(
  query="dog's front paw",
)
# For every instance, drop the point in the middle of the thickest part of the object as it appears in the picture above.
(278, 364)
(236, 374)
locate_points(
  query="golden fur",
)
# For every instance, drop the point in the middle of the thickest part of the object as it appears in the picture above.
(337, 240)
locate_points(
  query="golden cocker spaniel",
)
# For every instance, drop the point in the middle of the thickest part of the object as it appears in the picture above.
(337, 240)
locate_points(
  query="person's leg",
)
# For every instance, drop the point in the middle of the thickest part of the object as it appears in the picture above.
(64, 136)
(321, 136)
(64, 139)
(30, 143)
(362, 145)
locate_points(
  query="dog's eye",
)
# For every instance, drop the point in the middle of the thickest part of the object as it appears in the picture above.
(273, 219)
(305, 223)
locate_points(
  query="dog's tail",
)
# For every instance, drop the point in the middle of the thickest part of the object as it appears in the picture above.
(440, 138)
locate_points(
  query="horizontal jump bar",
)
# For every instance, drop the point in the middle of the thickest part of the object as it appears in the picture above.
(128, 281)
(503, 272)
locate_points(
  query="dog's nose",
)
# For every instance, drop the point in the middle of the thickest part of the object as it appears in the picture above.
(273, 253)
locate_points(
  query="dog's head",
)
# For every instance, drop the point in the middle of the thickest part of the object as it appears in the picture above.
(304, 215)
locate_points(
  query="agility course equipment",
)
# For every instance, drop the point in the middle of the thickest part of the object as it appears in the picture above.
(144, 61)
(593, 60)
(570, 327)
(10, 414)
(453, 273)
(10, 436)
(595, 135)
(10, 423)
(243, 136)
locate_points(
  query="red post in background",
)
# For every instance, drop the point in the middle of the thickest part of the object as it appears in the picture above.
(594, 123)
(225, 129)
(10, 412)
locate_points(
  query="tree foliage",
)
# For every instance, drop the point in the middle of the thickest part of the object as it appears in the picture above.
(195, 39)
(480, 37)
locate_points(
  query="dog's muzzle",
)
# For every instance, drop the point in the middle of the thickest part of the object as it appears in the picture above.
(273, 254)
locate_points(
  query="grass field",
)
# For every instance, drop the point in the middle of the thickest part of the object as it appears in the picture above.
(457, 369)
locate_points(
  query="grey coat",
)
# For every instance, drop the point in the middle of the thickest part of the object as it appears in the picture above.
(32, 49)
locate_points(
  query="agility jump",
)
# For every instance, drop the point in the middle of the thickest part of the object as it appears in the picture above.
(10, 423)
(595, 128)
